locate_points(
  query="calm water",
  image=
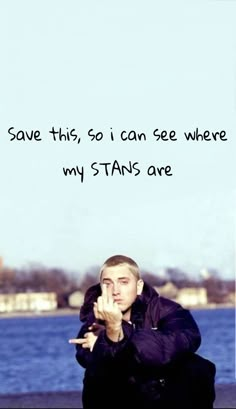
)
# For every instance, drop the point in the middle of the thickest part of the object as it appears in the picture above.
(35, 354)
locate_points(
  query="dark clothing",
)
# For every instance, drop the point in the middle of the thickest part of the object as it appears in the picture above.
(154, 365)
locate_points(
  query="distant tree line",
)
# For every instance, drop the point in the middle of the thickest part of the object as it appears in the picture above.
(38, 278)
(217, 288)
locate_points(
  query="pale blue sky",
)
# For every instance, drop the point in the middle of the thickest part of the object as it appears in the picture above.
(126, 65)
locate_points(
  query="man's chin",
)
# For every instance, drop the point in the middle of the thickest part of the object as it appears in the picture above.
(124, 310)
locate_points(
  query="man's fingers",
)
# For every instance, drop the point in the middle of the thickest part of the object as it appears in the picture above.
(107, 294)
(104, 290)
(77, 341)
(95, 310)
(87, 342)
(80, 341)
(100, 304)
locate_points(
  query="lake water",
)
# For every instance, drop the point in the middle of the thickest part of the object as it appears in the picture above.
(35, 354)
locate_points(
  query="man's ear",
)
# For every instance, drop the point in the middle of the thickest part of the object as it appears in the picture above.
(140, 285)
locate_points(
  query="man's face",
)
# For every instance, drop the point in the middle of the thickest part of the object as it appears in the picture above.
(122, 284)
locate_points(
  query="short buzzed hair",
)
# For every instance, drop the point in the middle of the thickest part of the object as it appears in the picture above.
(119, 260)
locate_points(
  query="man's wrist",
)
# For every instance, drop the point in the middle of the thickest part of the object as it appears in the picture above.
(114, 326)
(114, 332)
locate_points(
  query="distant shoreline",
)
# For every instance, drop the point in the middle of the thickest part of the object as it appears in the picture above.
(55, 313)
(75, 311)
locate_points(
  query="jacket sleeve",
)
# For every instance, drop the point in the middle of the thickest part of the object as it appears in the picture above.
(177, 334)
(104, 351)
(83, 355)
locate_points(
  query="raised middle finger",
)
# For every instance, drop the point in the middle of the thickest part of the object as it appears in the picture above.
(107, 294)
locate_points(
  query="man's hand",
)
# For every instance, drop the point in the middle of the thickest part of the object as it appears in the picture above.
(107, 310)
(87, 342)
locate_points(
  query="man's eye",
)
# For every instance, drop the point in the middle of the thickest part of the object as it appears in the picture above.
(124, 282)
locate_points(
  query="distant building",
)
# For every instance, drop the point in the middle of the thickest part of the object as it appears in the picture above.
(231, 298)
(76, 299)
(35, 302)
(191, 297)
(188, 297)
(168, 290)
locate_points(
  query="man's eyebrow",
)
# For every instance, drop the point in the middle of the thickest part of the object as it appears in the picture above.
(119, 278)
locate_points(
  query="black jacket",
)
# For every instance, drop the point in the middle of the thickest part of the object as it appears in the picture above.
(144, 367)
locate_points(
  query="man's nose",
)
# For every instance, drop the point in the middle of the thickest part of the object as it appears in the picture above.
(116, 288)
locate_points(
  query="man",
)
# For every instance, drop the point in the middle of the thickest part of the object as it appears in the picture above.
(139, 348)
